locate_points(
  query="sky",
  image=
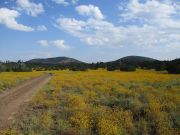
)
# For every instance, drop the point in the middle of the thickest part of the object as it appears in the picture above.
(89, 30)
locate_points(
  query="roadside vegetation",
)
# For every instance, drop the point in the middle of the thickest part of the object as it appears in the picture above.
(98, 102)
(14, 67)
(10, 79)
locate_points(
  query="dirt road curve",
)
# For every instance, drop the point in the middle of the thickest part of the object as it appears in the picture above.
(11, 100)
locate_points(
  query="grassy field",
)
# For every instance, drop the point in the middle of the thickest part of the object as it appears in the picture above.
(10, 79)
(103, 103)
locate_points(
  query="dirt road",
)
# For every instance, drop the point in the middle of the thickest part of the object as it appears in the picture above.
(12, 100)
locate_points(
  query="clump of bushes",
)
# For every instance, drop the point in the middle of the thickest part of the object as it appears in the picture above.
(127, 67)
(121, 67)
(14, 67)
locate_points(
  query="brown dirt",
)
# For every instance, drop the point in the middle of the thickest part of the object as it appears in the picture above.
(12, 100)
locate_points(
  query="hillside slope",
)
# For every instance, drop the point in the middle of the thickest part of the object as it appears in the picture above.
(56, 60)
(135, 59)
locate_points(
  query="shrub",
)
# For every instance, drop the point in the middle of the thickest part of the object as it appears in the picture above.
(127, 67)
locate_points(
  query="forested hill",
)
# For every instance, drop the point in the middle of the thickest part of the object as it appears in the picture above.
(55, 60)
(135, 59)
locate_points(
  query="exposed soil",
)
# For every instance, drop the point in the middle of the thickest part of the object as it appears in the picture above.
(13, 99)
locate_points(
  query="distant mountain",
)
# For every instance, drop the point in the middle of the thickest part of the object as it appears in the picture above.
(67, 60)
(55, 60)
(135, 59)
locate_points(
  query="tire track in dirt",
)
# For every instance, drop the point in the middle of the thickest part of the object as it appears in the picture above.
(12, 100)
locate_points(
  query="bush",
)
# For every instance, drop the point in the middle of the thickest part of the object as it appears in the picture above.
(15, 67)
(127, 67)
(111, 68)
(174, 68)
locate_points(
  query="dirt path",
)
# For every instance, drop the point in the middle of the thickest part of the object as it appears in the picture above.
(11, 100)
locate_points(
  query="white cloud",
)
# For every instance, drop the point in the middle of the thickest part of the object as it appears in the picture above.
(57, 43)
(93, 31)
(31, 8)
(90, 11)
(149, 31)
(65, 2)
(41, 28)
(43, 43)
(152, 12)
(8, 18)
(71, 24)
(60, 44)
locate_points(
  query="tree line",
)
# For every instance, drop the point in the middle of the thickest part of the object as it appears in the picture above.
(170, 66)
(14, 67)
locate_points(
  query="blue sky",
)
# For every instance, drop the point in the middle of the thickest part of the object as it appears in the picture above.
(89, 30)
